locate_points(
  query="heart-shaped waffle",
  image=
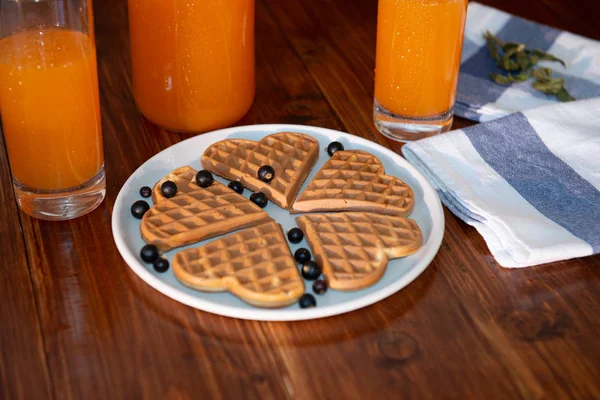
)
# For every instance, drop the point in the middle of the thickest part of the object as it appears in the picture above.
(291, 155)
(196, 213)
(254, 264)
(354, 248)
(355, 180)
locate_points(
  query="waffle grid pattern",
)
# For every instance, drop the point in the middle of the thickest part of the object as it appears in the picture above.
(257, 259)
(194, 213)
(182, 177)
(288, 153)
(353, 245)
(359, 177)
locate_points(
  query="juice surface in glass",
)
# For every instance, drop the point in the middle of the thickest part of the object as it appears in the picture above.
(192, 61)
(50, 108)
(419, 44)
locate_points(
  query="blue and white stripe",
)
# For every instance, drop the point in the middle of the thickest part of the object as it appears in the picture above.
(529, 182)
(480, 99)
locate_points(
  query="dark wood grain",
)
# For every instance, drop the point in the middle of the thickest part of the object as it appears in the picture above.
(23, 369)
(80, 324)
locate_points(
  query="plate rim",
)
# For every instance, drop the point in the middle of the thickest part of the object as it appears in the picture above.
(260, 314)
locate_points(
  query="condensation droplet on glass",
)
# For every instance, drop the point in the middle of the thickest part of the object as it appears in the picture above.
(20, 83)
(38, 66)
(51, 65)
(168, 83)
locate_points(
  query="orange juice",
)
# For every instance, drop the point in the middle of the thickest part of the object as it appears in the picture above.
(192, 61)
(50, 108)
(419, 44)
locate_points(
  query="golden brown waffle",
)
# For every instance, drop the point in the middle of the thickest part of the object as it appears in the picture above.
(354, 248)
(182, 177)
(355, 180)
(196, 213)
(254, 264)
(291, 155)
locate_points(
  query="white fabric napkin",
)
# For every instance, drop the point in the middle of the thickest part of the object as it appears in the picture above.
(529, 182)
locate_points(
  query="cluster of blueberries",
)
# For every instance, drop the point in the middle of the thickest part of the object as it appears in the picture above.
(203, 179)
(149, 253)
(310, 270)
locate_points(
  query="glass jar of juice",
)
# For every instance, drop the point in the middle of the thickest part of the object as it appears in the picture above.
(192, 61)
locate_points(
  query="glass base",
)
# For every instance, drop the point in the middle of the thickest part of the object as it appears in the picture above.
(60, 205)
(408, 129)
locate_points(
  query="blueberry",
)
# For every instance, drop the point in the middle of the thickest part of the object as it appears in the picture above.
(168, 189)
(302, 255)
(161, 264)
(259, 198)
(311, 270)
(333, 147)
(295, 235)
(204, 178)
(149, 253)
(320, 287)
(145, 191)
(307, 301)
(266, 173)
(139, 208)
(236, 187)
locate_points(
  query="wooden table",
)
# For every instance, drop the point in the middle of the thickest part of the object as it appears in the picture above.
(77, 323)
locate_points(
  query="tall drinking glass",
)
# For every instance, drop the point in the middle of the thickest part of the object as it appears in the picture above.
(50, 108)
(192, 61)
(419, 44)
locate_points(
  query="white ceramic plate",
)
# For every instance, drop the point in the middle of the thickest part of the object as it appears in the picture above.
(400, 272)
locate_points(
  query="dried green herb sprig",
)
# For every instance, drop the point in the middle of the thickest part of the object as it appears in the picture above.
(519, 63)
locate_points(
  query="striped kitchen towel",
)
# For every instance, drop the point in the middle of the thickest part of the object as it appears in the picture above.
(481, 99)
(529, 182)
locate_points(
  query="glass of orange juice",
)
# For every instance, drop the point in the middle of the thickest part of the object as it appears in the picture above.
(419, 45)
(50, 108)
(192, 61)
